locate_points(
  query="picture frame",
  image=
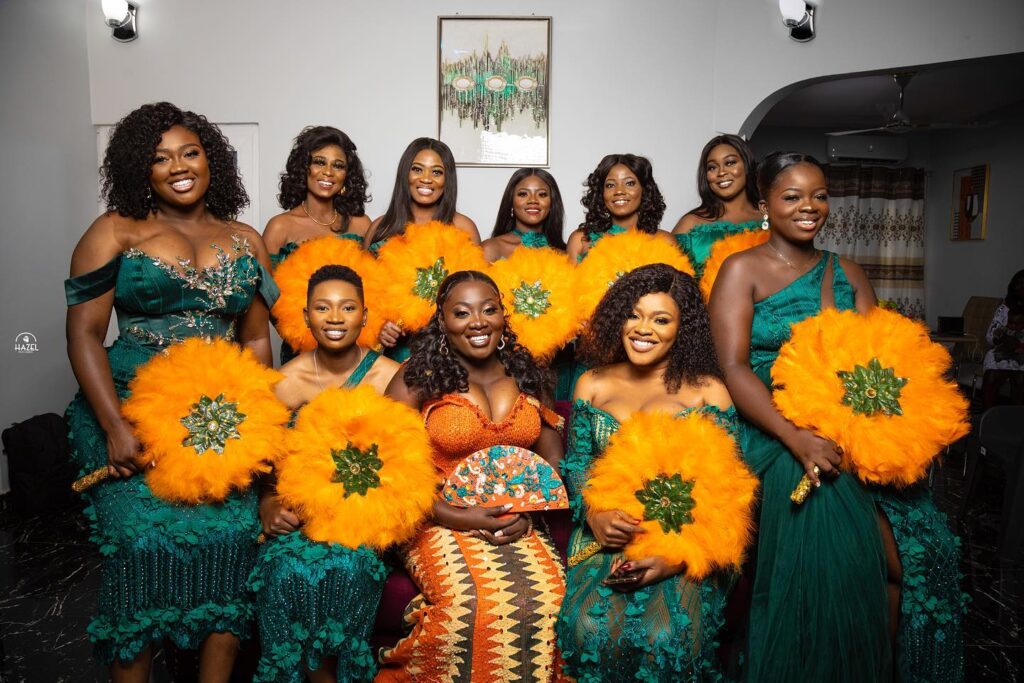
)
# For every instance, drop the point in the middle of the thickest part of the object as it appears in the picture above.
(493, 89)
(970, 203)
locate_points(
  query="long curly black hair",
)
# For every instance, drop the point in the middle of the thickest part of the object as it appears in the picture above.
(692, 358)
(129, 159)
(552, 226)
(711, 207)
(352, 200)
(432, 374)
(652, 204)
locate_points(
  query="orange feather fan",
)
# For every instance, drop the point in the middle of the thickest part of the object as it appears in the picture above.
(357, 469)
(723, 249)
(614, 256)
(874, 384)
(206, 415)
(716, 495)
(538, 289)
(411, 266)
(292, 278)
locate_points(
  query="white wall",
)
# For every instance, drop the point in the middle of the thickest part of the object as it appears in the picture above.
(954, 271)
(47, 191)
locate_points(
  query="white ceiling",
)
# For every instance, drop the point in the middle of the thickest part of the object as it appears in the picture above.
(977, 91)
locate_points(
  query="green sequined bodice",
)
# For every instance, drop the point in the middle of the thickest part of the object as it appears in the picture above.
(697, 243)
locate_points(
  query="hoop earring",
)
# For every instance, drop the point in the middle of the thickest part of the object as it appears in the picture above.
(764, 223)
(502, 343)
(442, 348)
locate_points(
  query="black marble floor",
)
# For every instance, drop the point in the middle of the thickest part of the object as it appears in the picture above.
(49, 580)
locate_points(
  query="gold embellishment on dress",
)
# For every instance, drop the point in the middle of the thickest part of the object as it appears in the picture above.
(584, 553)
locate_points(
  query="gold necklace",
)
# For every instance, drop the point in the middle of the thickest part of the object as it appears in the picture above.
(310, 216)
(786, 260)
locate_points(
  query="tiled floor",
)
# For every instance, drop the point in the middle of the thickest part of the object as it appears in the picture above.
(49, 577)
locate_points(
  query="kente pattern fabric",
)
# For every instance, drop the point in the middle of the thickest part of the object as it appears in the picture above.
(168, 571)
(485, 612)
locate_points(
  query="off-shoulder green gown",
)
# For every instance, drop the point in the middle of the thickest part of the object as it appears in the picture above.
(666, 632)
(169, 571)
(697, 243)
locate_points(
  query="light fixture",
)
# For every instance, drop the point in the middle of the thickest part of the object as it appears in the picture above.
(120, 16)
(798, 17)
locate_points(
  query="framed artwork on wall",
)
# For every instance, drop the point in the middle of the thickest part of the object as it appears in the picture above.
(970, 203)
(493, 81)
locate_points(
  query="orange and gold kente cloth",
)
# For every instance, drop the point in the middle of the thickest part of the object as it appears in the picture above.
(486, 612)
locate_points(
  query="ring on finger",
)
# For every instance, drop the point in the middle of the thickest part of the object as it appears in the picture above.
(816, 470)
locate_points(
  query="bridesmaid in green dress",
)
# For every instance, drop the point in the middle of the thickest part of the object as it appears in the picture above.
(727, 187)
(316, 602)
(323, 192)
(530, 215)
(426, 189)
(171, 260)
(651, 342)
(853, 570)
(621, 195)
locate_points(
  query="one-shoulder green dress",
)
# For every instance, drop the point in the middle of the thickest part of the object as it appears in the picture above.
(666, 632)
(697, 243)
(168, 570)
(286, 250)
(819, 607)
(316, 600)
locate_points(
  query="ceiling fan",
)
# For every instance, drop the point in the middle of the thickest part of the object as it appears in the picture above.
(900, 122)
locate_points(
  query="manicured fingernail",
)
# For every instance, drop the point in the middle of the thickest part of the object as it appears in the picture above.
(626, 567)
(817, 484)
(498, 533)
(508, 506)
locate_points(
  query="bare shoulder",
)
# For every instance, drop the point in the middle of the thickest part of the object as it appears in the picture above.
(588, 384)
(105, 238)
(250, 235)
(466, 224)
(665, 236)
(359, 225)
(715, 393)
(383, 371)
(852, 269)
(492, 249)
(371, 230)
(686, 224)
(575, 244)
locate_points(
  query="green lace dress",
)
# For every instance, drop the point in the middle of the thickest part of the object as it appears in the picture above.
(286, 250)
(819, 609)
(697, 243)
(168, 570)
(663, 632)
(317, 599)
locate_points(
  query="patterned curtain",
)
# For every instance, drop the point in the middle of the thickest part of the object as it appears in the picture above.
(876, 219)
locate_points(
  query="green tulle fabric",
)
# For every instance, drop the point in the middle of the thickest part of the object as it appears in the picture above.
(286, 250)
(830, 546)
(168, 571)
(532, 240)
(697, 243)
(665, 632)
(316, 600)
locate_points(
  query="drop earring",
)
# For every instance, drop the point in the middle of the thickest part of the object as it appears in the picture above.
(764, 223)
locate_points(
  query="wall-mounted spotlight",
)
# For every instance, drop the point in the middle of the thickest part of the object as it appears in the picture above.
(798, 17)
(120, 16)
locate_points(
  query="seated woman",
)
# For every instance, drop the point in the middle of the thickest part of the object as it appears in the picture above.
(1004, 362)
(323, 192)
(426, 189)
(491, 584)
(530, 215)
(650, 342)
(728, 199)
(621, 195)
(316, 602)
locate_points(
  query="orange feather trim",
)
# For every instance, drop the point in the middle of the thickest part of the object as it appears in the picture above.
(548, 320)
(411, 266)
(385, 513)
(880, 448)
(699, 450)
(723, 249)
(168, 388)
(292, 278)
(614, 256)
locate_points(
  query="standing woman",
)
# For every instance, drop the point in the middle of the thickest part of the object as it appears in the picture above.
(315, 602)
(491, 584)
(727, 185)
(530, 214)
(169, 256)
(650, 341)
(323, 192)
(426, 189)
(621, 195)
(888, 554)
